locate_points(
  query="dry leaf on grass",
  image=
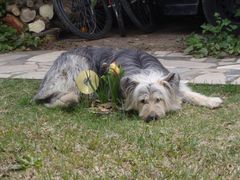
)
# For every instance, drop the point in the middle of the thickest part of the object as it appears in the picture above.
(105, 108)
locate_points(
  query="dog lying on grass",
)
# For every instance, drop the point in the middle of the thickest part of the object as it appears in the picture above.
(147, 86)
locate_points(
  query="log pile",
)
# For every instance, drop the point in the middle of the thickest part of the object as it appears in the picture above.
(31, 15)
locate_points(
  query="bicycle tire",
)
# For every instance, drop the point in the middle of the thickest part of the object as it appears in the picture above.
(117, 9)
(140, 14)
(225, 8)
(84, 27)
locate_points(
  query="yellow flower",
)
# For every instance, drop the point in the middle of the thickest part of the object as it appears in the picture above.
(114, 68)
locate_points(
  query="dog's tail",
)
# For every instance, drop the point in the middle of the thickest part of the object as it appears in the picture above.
(198, 99)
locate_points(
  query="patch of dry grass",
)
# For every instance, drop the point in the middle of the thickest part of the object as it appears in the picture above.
(48, 143)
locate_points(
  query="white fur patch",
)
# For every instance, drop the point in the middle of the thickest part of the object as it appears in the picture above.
(198, 99)
(150, 88)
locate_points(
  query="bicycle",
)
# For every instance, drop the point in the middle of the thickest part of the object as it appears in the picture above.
(92, 19)
(117, 9)
(139, 12)
(89, 19)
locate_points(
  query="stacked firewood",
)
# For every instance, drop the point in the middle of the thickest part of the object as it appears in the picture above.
(31, 15)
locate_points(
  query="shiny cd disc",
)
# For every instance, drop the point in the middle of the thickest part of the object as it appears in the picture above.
(87, 81)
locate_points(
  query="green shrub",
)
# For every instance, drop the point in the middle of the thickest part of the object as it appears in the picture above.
(109, 87)
(11, 40)
(218, 41)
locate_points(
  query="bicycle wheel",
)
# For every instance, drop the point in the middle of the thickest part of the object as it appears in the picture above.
(139, 12)
(117, 9)
(85, 18)
(226, 9)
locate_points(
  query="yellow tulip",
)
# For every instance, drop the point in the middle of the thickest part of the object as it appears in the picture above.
(114, 68)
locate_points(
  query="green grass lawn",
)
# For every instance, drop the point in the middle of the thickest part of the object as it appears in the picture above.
(41, 143)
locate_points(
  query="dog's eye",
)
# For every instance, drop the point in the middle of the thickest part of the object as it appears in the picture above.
(158, 100)
(143, 101)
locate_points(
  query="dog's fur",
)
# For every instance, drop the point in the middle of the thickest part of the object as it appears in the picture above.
(147, 86)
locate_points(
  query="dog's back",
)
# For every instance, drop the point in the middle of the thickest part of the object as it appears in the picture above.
(135, 61)
(131, 60)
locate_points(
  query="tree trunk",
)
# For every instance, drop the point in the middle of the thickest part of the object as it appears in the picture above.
(13, 9)
(46, 11)
(37, 26)
(27, 15)
(14, 22)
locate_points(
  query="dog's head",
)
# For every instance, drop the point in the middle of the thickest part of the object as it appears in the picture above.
(152, 97)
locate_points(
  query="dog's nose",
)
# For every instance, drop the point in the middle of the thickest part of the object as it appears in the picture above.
(151, 116)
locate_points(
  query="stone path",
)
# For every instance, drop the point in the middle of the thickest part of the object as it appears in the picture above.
(34, 65)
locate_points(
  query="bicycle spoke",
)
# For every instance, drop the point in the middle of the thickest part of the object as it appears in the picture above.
(84, 19)
(140, 13)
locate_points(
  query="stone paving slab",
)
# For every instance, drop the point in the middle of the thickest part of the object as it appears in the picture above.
(210, 78)
(237, 67)
(45, 58)
(30, 75)
(187, 64)
(237, 81)
(35, 64)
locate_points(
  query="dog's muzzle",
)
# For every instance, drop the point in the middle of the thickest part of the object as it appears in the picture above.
(152, 116)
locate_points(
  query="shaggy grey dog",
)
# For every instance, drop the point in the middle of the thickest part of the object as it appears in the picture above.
(147, 86)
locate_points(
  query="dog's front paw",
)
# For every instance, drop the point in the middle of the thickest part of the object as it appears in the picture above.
(214, 102)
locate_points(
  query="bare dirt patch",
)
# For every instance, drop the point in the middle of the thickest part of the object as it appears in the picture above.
(169, 36)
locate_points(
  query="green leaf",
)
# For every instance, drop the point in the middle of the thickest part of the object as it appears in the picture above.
(237, 14)
(11, 40)
(93, 3)
(217, 41)
(188, 50)
(204, 51)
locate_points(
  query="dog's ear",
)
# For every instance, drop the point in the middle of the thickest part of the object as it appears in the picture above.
(173, 79)
(127, 85)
